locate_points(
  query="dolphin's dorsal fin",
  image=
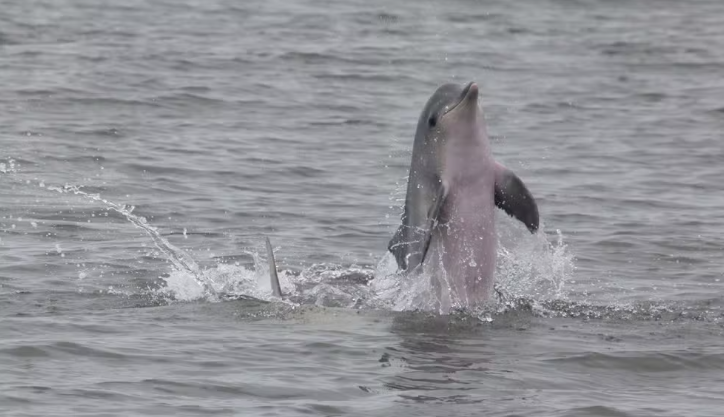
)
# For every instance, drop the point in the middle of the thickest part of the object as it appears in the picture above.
(276, 288)
(513, 197)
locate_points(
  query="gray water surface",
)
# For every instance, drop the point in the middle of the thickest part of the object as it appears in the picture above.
(147, 148)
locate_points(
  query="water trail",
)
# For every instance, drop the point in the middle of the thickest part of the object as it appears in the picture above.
(178, 258)
(213, 284)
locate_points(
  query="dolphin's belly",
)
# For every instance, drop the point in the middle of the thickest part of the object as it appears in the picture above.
(462, 255)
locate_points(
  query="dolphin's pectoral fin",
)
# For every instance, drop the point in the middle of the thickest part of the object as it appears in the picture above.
(432, 217)
(276, 288)
(398, 247)
(513, 197)
(410, 243)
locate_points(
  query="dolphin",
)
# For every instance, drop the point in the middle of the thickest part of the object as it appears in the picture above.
(448, 223)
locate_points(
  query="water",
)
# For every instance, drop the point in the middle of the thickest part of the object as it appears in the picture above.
(146, 150)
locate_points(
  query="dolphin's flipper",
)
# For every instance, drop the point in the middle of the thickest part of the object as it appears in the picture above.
(276, 288)
(398, 247)
(411, 242)
(432, 218)
(513, 197)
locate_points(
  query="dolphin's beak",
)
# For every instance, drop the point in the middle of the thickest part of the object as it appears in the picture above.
(471, 93)
(468, 98)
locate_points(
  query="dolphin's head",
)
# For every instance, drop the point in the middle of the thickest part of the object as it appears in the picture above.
(450, 100)
(450, 115)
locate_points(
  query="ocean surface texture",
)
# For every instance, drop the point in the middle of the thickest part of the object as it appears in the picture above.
(147, 148)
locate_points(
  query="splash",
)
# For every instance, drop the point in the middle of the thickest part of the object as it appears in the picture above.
(534, 268)
(229, 281)
(530, 268)
(330, 285)
(8, 167)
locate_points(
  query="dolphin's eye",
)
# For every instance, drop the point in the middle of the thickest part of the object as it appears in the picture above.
(432, 121)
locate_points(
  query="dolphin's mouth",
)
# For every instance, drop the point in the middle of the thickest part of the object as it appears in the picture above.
(470, 93)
